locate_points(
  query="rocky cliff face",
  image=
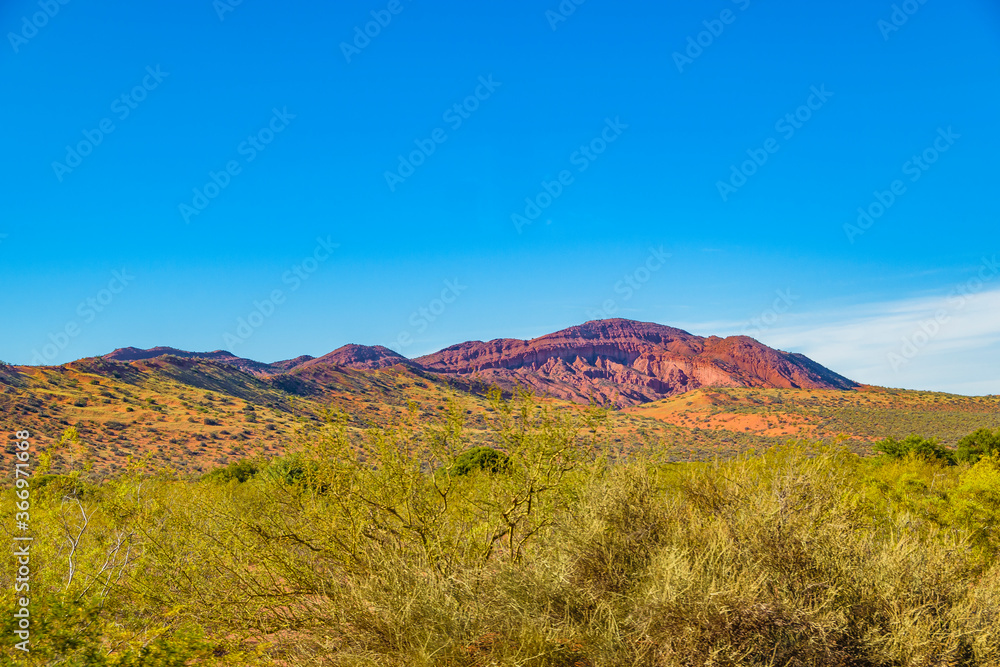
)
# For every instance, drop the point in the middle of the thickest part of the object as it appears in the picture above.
(626, 363)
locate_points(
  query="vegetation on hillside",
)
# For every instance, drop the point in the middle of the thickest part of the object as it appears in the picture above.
(398, 547)
(196, 415)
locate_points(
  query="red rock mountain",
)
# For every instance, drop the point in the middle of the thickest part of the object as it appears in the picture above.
(626, 363)
(618, 362)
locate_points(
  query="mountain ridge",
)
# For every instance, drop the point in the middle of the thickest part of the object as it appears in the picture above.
(615, 361)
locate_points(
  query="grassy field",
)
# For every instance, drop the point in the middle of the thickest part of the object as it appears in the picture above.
(404, 547)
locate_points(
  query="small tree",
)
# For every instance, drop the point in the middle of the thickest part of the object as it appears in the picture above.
(481, 458)
(915, 445)
(982, 443)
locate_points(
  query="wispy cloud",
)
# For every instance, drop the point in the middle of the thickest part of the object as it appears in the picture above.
(948, 342)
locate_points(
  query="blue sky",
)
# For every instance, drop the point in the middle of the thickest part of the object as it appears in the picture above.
(291, 119)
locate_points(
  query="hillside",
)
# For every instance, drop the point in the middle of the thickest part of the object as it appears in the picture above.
(694, 398)
(627, 363)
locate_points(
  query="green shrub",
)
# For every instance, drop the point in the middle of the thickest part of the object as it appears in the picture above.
(915, 445)
(240, 471)
(481, 458)
(59, 485)
(982, 443)
(292, 469)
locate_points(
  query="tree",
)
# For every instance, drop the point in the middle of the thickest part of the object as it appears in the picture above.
(481, 458)
(982, 443)
(915, 445)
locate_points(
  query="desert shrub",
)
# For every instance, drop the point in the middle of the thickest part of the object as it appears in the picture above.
(974, 504)
(481, 458)
(621, 525)
(292, 469)
(915, 445)
(979, 444)
(372, 548)
(60, 485)
(56, 637)
(239, 471)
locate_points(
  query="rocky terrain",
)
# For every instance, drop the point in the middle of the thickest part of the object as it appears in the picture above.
(626, 363)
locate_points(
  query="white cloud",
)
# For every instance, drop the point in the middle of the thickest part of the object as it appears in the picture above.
(897, 343)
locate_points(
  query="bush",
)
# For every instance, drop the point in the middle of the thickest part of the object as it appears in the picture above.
(240, 471)
(917, 446)
(481, 458)
(59, 485)
(982, 443)
(292, 469)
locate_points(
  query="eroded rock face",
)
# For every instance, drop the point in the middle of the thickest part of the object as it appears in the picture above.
(626, 363)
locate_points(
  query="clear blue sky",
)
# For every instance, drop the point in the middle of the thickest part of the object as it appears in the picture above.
(677, 124)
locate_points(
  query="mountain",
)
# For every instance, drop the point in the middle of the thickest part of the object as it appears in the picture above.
(626, 363)
(130, 354)
(361, 357)
(614, 362)
(698, 397)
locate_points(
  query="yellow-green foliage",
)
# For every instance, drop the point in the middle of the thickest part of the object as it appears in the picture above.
(378, 553)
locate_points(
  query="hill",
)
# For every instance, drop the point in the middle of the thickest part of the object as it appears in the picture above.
(692, 397)
(628, 363)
